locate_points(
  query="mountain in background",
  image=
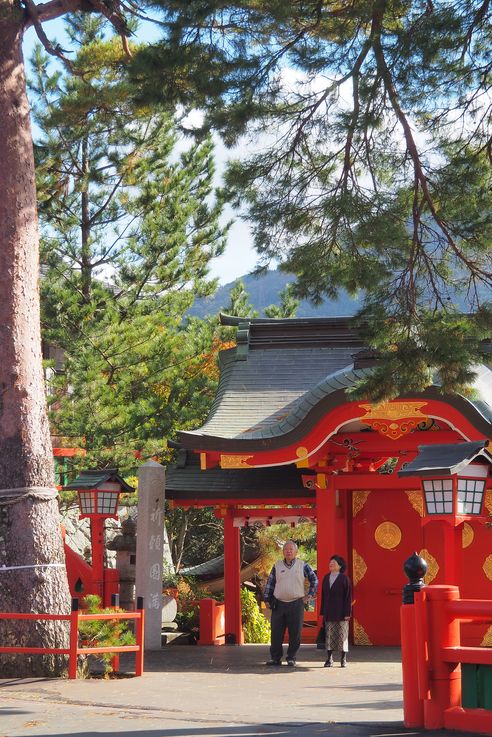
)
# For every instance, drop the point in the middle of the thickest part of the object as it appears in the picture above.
(264, 290)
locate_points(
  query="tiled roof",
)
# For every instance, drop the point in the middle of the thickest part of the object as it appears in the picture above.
(270, 382)
(282, 370)
(448, 459)
(185, 480)
(93, 478)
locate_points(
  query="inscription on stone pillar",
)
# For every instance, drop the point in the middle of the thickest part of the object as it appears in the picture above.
(150, 536)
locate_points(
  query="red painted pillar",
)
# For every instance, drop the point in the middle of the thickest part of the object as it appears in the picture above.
(326, 542)
(444, 678)
(441, 539)
(97, 544)
(413, 705)
(232, 582)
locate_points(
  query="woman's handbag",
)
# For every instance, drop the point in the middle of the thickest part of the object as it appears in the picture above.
(320, 639)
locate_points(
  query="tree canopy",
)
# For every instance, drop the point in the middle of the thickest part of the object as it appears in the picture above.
(373, 164)
(129, 226)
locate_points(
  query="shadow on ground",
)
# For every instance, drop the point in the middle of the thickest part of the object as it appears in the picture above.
(248, 658)
(285, 729)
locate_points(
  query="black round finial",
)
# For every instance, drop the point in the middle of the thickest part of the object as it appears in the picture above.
(415, 569)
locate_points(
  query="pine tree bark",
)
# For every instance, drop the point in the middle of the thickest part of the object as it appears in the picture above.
(32, 572)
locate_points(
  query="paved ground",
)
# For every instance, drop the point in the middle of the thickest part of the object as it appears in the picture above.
(225, 691)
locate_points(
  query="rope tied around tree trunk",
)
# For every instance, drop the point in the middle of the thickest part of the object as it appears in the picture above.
(14, 496)
(3, 568)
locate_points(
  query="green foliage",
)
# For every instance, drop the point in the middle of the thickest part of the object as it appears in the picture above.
(443, 350)
(288, 304)
(190, 591)
(195, 535)
(188, 620)
(271, 540)
(101, 633)
(130, 222)
(256, 627)
(239, 304)
(373, 167)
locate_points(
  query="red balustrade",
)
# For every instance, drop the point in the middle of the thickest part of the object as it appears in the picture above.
(432, 655)
(74, 649)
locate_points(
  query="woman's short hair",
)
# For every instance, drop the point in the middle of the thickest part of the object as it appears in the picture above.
(341, 562)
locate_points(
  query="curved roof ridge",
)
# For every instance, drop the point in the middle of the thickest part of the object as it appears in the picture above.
(345, 378)
(235, 320)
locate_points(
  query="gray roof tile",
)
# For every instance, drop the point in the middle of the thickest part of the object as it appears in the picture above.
(291, 366)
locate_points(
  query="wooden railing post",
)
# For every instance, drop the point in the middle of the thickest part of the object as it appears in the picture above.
(444, 677)
(207, 622)
(115, 660)
(74, 639)
(139, 633)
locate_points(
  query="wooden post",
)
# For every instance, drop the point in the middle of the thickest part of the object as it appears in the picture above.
(442, 539)
(74, 639)
(115, 660)
(140, 635)
(445, 678)
(413, 705)
(232, 582)
(97, 550)
(326, 542)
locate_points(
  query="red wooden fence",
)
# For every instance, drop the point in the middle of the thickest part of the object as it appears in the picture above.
(432, 655)
(73, 649)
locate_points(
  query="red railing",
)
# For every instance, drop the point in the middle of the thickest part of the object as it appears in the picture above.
(73, 649)
(432, 655)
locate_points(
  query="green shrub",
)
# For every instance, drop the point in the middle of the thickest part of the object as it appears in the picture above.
(101, 633)
(256, 627)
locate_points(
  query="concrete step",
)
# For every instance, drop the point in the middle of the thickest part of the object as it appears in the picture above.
(176, 638)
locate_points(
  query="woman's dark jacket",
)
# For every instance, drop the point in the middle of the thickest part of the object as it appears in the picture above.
(336, 603)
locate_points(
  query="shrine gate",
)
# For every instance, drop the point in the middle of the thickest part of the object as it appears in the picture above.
(284, 431)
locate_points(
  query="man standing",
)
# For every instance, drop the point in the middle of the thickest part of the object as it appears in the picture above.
(285, 595)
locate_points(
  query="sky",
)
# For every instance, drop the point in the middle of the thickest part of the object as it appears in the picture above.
(239, 257)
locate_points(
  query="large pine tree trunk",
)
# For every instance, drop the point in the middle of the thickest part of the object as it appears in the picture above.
(32, 572)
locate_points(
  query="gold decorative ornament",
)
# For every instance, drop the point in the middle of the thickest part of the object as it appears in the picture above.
(487, 640)
(487, 567)
(432, 566)
(360, 635)
(488, 500)
(359, 498)
(359, 567)
(230, 461)
(393, 411)
(387, 535)
(467, 535)
(393, 419)
(302, 454)
(415, 499)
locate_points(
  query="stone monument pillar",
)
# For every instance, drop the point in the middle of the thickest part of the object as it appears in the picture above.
(150, 541)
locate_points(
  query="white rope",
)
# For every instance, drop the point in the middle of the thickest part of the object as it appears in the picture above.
(36, 565)
(11, 496)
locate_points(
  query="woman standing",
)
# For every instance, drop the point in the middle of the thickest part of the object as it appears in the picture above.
(336, 608)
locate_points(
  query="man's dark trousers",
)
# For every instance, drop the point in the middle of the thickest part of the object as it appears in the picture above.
(287, 615)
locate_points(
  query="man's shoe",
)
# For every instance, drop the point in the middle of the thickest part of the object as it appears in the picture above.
(291, 662)
(273, 662)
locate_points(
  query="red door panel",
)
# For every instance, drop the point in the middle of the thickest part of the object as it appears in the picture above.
(386, 530)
